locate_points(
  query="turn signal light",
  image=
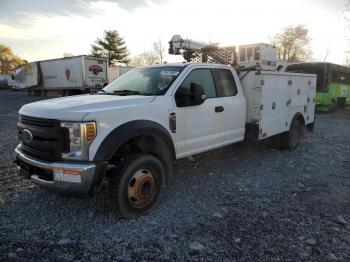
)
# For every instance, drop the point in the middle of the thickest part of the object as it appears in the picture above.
(90, 132)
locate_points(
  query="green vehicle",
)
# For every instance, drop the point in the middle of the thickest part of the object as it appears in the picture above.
(333, 84)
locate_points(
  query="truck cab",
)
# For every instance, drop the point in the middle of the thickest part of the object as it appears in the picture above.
(131, 131)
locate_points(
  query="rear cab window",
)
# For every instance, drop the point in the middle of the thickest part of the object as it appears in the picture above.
(225, 82)
(249, 53)
(242, 52)
(257, 53)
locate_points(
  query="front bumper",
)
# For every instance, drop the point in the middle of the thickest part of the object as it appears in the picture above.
(62, 177)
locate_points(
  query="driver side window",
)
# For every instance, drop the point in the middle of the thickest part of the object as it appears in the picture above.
(199, 76)
(202, 77)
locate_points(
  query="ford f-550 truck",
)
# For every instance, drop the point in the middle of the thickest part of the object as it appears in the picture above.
(134, 128)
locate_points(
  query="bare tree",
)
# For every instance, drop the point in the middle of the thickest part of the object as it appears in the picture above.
(293, 44)
(158, 50)
(8, 60)
(326, 55)
(145, 58)
(346, 18)
(347, 60)
(155, 56)
(345, 15)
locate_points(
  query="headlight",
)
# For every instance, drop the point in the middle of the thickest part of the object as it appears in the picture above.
(81, 136)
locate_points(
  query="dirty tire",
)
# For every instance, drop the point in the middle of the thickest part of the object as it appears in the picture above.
(332, 106)
(136, 185)
(311, 127)
(276, 141)
(290, 139)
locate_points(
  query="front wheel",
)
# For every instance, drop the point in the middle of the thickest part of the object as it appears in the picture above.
(136, 185)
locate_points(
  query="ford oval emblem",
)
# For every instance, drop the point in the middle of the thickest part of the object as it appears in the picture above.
(27, 136)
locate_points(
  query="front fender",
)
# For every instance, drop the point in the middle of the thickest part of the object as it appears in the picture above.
(129, 130)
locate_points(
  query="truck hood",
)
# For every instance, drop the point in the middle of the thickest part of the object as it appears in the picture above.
(76, 107)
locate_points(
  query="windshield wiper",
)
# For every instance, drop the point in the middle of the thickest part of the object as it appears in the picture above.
(103, 92)
(150, 94)
(126, 92)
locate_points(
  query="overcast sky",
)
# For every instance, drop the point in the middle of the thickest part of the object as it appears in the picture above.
(42, 29)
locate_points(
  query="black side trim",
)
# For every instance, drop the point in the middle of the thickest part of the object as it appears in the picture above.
(129, 130)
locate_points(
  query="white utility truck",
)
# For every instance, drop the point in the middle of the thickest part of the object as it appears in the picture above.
(62, 76)
(134, 128)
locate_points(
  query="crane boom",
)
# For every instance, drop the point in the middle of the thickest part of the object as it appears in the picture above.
(246, 57)
(196, 51)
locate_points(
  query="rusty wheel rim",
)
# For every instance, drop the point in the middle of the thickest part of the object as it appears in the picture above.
(142, 188)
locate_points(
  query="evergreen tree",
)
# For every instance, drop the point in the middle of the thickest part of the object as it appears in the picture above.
(112, 46)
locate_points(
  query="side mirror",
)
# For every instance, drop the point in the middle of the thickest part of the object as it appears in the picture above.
(190, 96)
(197, 95)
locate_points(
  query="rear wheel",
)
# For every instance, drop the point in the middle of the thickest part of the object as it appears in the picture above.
(136, 185)
(311, 127)
(276, 142)
(290, 140)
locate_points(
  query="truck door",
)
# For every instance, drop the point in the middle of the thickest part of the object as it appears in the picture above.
(201, 127)
(234, 115)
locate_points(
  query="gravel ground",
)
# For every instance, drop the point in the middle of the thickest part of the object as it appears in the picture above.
(246, 202)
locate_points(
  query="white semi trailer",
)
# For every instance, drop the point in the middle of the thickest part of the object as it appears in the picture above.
(114, 72)
(63, 76)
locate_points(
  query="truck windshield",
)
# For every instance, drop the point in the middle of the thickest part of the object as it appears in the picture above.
(144, 81)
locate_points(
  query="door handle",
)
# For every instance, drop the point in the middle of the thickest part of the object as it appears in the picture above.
(219, 109)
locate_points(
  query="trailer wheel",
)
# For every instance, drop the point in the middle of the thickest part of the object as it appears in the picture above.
(290, 139)
(136, 185)
(332, 106)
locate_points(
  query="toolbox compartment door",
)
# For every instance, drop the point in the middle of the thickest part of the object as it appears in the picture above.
(275, 93)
